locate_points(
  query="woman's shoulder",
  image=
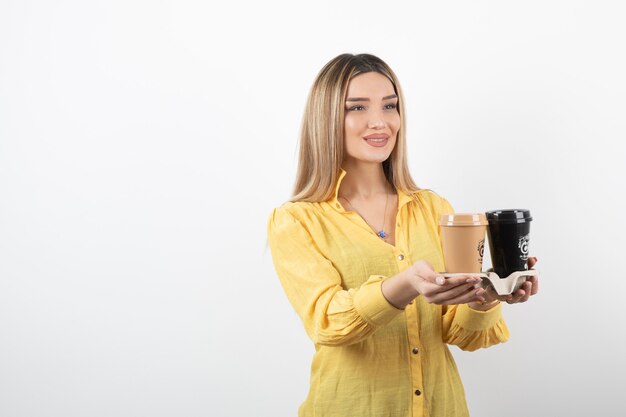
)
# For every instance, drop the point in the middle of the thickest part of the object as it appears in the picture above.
(432, 200)
(294, 212)
(296, 208)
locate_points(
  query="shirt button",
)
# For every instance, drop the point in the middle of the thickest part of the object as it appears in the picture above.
(418, 392)
(415, 351)
(401, 257)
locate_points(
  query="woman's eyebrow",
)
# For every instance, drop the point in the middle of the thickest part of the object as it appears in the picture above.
(367, 99)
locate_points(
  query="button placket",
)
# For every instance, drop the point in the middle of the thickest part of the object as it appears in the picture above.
(415, 358)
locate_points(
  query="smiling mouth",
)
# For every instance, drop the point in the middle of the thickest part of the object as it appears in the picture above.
(377, 136)
(376, 140)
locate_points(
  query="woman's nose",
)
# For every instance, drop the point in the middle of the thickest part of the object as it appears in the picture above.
(376, 122)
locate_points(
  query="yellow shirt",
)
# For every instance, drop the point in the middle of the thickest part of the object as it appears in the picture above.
(372, 359)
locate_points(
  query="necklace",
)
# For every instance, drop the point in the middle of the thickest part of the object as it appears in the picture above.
(381, 233)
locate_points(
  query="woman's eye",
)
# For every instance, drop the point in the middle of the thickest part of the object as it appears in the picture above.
(391, 106)
(357, 107)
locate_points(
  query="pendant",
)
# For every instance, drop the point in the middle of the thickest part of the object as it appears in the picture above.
(381, 234)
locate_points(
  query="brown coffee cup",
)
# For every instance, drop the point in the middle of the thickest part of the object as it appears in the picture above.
(463, 238)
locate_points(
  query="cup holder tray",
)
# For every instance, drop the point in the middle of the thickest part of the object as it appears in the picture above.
(503, 286)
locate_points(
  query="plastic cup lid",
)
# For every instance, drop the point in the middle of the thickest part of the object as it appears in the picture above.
(509, 216)
(463, 219)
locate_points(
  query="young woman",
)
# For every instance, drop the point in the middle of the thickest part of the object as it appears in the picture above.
(357, 250)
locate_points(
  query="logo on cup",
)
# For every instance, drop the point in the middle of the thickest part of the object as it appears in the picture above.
(523, 246)
(481, 249)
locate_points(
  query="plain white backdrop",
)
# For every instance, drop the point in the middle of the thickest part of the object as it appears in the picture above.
(143, 145)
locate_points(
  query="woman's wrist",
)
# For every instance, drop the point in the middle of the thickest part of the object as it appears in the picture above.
(399, 289)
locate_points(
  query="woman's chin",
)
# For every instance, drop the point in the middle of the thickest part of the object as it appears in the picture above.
(365, 159)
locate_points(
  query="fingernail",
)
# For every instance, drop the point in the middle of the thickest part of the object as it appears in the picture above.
(440, 280)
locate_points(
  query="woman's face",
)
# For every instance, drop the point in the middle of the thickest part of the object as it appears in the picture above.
(371, 120)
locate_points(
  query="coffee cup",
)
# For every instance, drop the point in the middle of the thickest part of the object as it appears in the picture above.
(463, 239)
(508, 232)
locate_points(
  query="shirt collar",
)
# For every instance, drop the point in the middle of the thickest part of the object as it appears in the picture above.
(334, 203)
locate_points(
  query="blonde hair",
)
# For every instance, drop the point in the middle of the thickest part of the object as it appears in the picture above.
(322, 136)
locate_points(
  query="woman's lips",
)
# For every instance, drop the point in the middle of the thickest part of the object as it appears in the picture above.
(377, 140)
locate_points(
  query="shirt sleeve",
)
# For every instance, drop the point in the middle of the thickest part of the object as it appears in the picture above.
(471, 329)
(465, 327)
(332, 315)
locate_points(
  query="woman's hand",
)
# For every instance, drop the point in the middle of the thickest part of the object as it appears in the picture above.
(528, 289)
(438, 290)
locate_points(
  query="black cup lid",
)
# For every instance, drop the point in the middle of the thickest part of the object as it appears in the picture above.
(509, 216)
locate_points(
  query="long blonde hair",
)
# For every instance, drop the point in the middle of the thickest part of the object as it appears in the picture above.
(322, 135)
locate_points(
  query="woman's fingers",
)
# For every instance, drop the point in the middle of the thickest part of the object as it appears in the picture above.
(473, 295)
(521, 295)
(527, 287)
(462, 289)
(454, 295)
(517, 296)
(431, 286)
(460, 280)
(490, 295)
(535, 285)
(532, 261)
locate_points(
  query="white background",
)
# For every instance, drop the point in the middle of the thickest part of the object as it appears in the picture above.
(143, 145)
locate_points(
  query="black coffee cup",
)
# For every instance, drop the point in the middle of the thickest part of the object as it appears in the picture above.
(508, 232)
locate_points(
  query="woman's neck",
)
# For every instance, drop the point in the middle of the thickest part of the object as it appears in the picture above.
(363, 181)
